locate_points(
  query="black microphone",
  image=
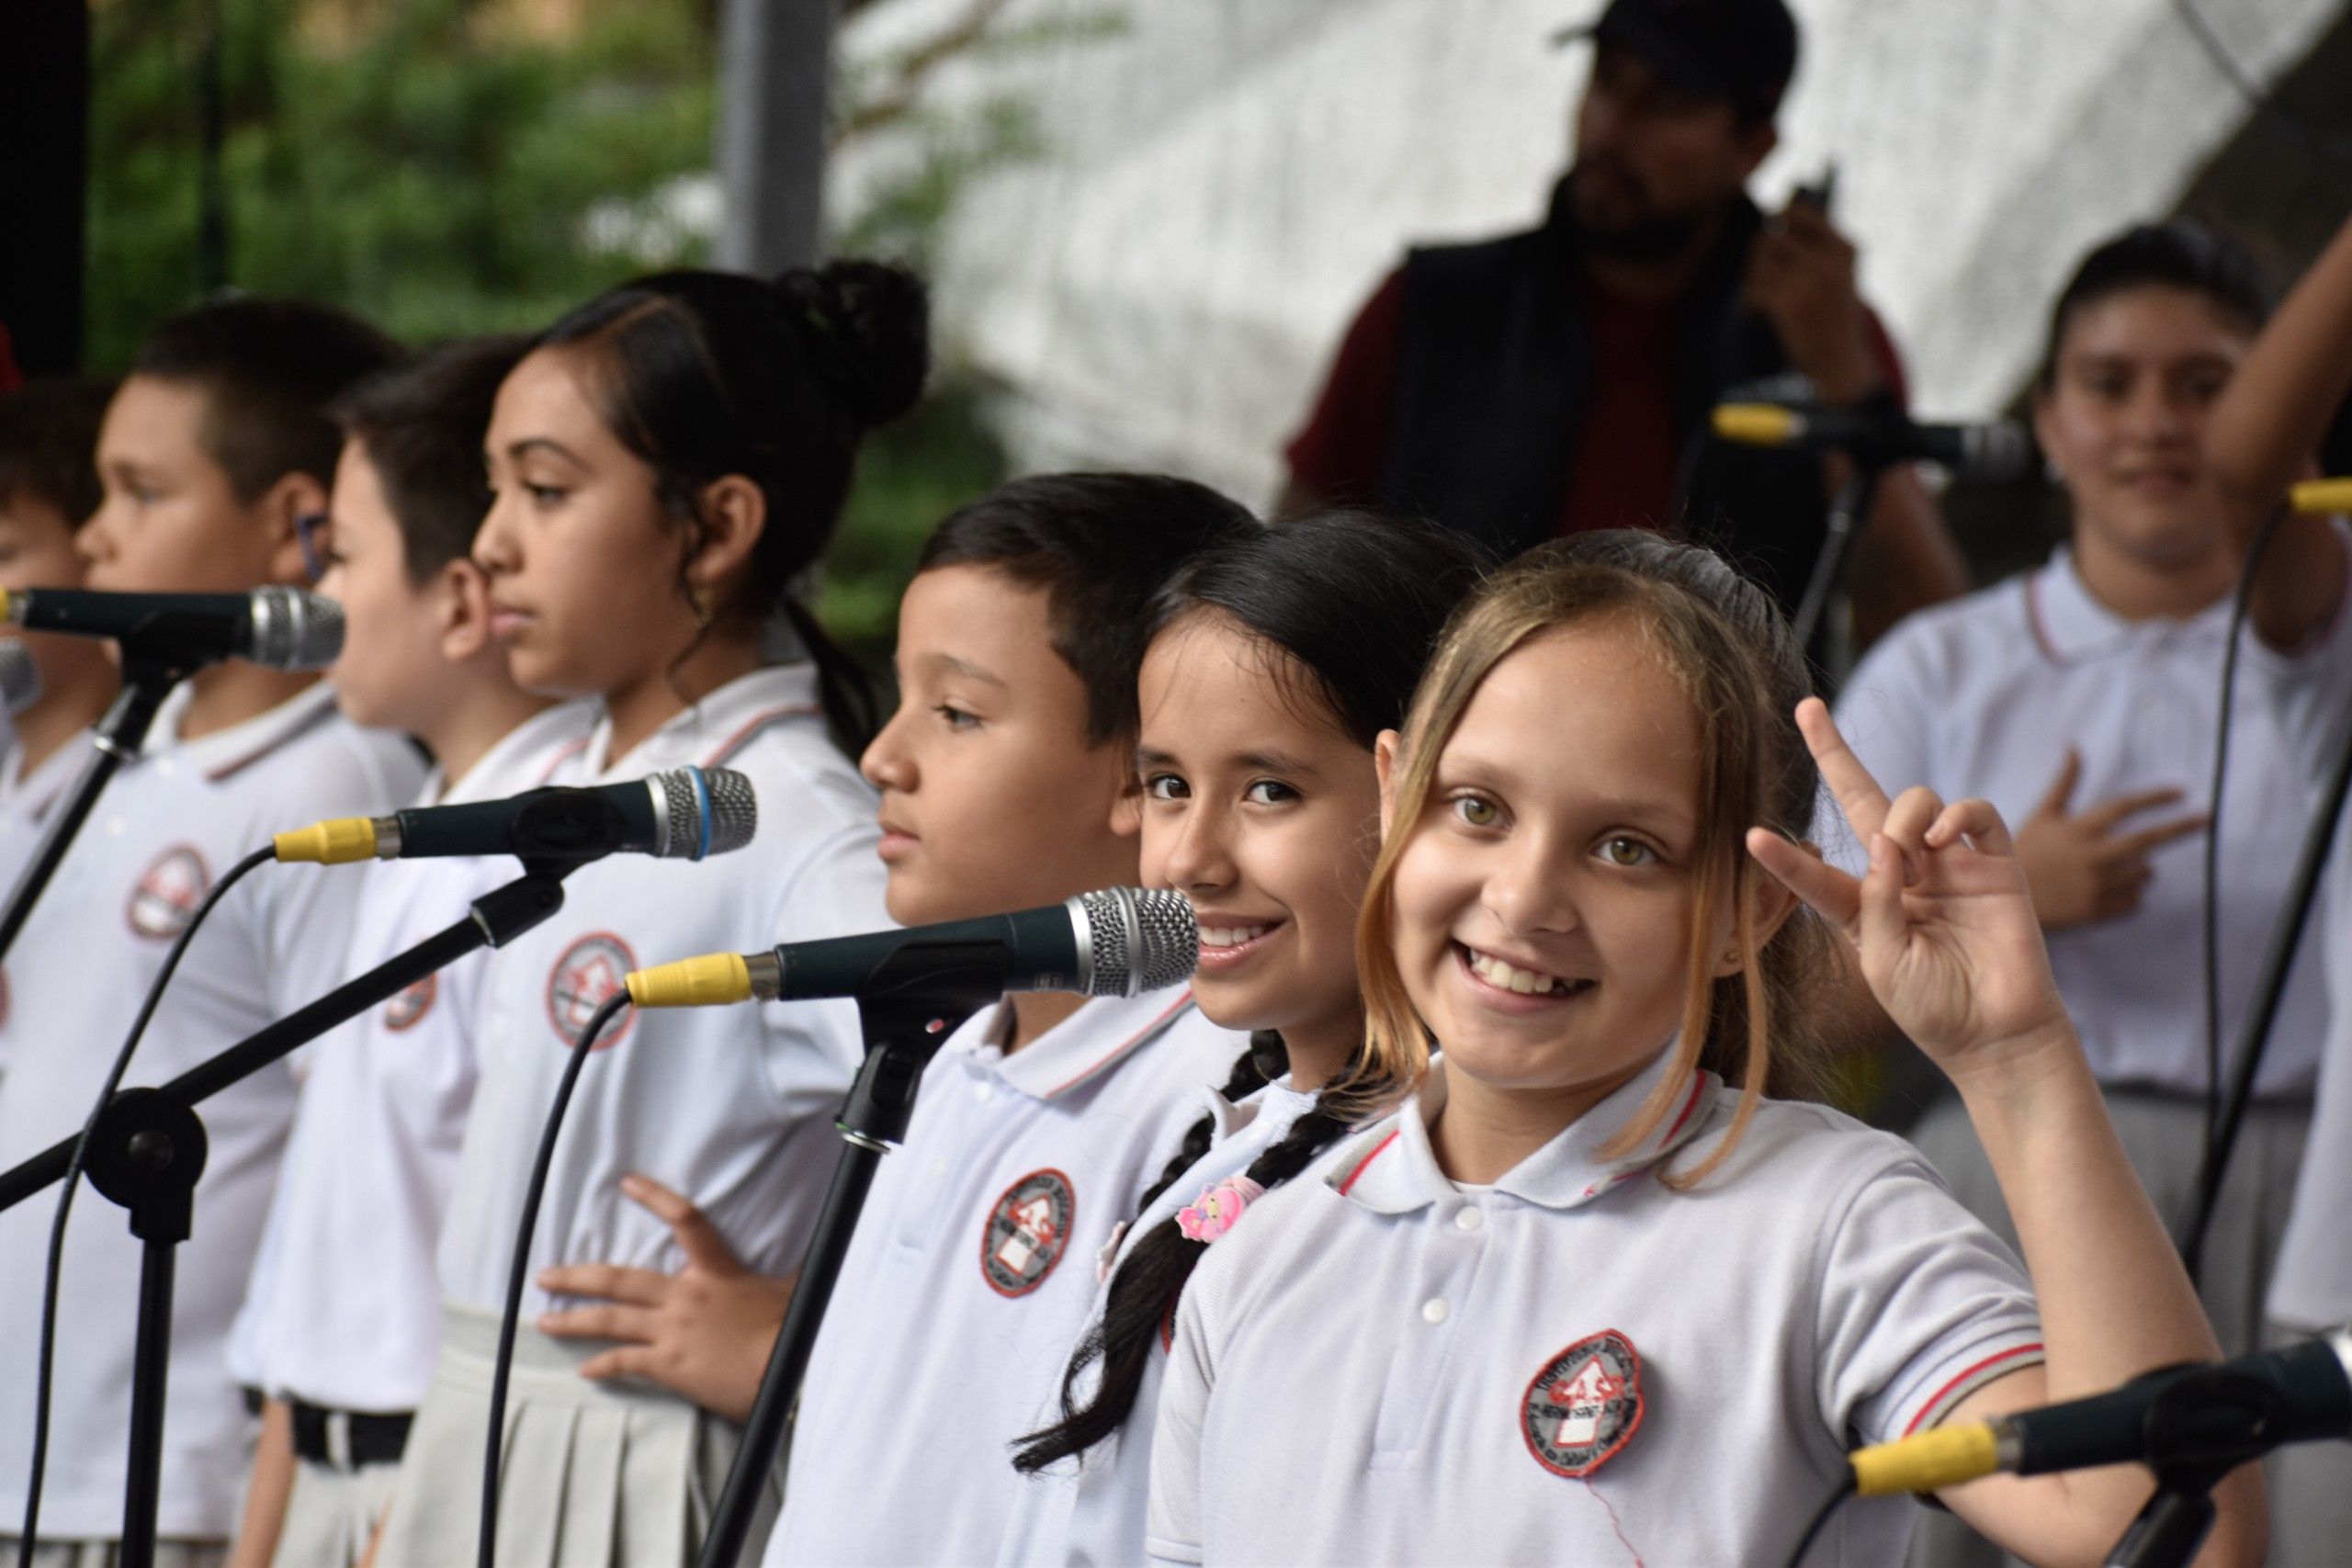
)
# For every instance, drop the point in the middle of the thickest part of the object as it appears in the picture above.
(279, 628)
(685, 814)
(1118, 941)
(2207, 1411)
(1877, 431)
(19, 677)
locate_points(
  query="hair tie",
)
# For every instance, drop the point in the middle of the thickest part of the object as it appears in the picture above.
(1218, 1208)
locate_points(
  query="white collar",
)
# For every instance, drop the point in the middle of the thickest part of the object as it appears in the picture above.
(1391, 1169)
(1076, 1052)
(492, 770)
(2071, 625)
(706, 734)
(226, 751)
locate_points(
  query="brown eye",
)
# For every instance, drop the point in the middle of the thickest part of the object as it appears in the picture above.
(1625, 852)
(1476, 812)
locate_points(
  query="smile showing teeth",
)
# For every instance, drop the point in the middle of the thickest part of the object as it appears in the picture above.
(1526, 982)
(1231, 936)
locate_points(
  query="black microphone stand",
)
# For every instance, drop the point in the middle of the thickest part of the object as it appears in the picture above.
(915, 1000)
(120, 735)
(1846, 513)
(2319, 839)
(149, 1148)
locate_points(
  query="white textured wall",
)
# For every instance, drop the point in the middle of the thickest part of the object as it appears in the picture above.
(1229, 177)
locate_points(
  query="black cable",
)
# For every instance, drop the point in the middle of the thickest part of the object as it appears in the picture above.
(2327, 141)
(1820, 1518)
(494, 1440)
(56, 1268)
(2241, 600)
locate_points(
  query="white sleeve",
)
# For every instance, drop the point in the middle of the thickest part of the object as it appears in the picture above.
(2310, 691)
(1921, 1305)
(1883, 714)
(1172, 1532)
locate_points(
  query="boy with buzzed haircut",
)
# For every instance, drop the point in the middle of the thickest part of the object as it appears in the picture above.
(212, 455)
(1008, 781)
(344, 1308)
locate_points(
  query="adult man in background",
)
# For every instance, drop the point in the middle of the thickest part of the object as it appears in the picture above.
(1561, 379)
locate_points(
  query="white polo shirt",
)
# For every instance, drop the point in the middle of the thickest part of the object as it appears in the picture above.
(167, 826)
(1577, 1364)
(344, 1308)
(731, 1106)
(24, 802)
(1090, 1511)
(1982, 695)
(2308, 697)
(973, 1269)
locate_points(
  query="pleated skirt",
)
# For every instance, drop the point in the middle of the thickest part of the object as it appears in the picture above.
(594, 1474)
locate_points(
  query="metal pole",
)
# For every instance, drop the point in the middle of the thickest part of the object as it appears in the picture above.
(775, 65)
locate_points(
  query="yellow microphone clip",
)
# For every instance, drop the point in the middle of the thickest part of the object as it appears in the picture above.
(1758, 424)
(1927, 1461)
(2321, 496)
(338, 841)
(711, 980)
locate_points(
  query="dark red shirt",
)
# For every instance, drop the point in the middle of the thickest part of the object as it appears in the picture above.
(1626, 452)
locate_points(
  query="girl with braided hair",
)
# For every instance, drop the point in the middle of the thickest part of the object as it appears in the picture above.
(1274, 664)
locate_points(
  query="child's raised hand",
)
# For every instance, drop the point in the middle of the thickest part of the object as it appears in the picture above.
(1943, 923)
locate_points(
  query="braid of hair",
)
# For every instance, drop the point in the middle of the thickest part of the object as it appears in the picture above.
(1144, 1291)
(1252, 1070)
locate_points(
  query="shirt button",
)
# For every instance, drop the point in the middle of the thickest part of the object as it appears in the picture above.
(1434, 1310)
(1469, 1219)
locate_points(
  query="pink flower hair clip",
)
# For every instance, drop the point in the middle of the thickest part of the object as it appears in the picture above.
(1218, 1208)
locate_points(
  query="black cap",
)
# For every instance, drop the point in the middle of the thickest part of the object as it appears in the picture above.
(1742, 50)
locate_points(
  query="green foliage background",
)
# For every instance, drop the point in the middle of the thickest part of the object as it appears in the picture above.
(432, 165)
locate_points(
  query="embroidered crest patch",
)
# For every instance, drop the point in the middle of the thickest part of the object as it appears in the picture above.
(590, 970)
(168, 893)
(1584, 1405)
(411, 1003)
(1027, 1233)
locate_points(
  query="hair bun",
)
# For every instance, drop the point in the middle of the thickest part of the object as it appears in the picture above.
(867, 325)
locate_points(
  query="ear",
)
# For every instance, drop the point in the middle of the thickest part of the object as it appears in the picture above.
(1383, 762)
(294, 496)
(734, 515)
(1127, 810)
(461, 611)
(1772, 904)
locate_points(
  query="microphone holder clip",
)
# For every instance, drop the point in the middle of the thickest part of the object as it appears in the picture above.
(917, 998)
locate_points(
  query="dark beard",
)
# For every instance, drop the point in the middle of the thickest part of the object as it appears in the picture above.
(1657, 237)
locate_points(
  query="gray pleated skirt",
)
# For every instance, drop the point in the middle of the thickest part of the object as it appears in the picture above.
(595, 1475)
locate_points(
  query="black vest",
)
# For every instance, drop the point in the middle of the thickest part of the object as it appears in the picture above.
(1494, 376)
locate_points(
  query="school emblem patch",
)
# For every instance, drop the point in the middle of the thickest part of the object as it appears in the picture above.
(1027, 1233)
(411, 1003)
(1584, 1405)
(590, 970)
(168, 893)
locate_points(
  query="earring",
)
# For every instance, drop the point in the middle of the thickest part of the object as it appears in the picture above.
(701, 607)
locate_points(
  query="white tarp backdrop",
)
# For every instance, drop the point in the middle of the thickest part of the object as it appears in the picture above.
(1226, 179)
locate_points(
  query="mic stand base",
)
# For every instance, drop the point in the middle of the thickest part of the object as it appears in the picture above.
(905, 1021)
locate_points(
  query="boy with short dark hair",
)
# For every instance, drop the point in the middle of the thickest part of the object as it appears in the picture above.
(211, 453)
(344, 1308)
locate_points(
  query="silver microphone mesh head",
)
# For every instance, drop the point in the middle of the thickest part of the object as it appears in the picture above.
(294, 630)
(734, 811)
(1998, 453)
(1141, 938)
(19, 677)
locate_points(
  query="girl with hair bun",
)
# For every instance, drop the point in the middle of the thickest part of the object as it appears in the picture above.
(1273, 664)
(667, 463)
(1593, 1293)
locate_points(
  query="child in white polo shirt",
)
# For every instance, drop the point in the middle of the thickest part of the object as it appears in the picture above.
(2263, 433)
(211, 451)
(344, 1308)
(2081, 699)
(1582, 1299)
(668, 463)
(1275, 661)
(49, 484)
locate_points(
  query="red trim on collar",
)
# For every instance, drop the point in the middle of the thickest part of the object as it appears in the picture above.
(1698, 1082)
(1965, 1375)
(1379, 1149)
(742, 736)
(563, 754)
(230, 769)
(2035, 623)
(1121, 1049)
